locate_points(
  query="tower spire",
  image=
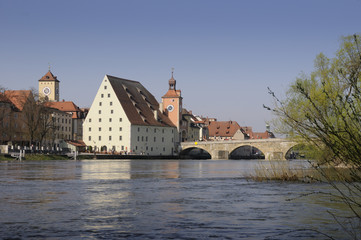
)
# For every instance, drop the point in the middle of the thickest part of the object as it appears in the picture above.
(172, 82)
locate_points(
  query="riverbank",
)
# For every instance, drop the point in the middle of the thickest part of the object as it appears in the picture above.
(32, 157)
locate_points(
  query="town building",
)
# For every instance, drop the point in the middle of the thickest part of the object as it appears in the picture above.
(49, 91)
(26, 122)
(49, 87)
(77, 117)
(193, 128)
(172, 106)
(225, 130)
(258, 135)
(125, 117)
(231, 130)
(13, 110)
(62, 126)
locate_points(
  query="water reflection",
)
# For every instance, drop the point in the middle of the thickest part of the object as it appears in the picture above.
(157, 199)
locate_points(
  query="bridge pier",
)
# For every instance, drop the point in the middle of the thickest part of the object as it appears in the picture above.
(274, 156)
(220, 155)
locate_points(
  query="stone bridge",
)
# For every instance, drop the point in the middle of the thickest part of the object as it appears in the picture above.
(272, 148)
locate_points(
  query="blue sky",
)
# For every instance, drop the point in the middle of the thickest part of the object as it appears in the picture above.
(225, 53)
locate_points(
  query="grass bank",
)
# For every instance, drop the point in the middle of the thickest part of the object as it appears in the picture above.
(285, 171)
(7, 157)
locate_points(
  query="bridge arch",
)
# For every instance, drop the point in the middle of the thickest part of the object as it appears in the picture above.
(194, 153)
(246, 152)
(298, 151)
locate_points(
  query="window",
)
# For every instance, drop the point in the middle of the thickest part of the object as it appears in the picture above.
(138, 129)
(110, 119)
(90, 120)
(111, 103)
(108, 95)
(110, 138)
(155, 139)
(142, 138)
(102, 95)
(105, 86)
(120, 139)
(100, 129)
(100, 120)
(100, 111)
(120, 129)
(110, 129)
(111, 111)
(162, 139)
(100, 103)
(162, 130)
(146, 138)
(155, 130)
(138, 138)
(164, 149)
(122, 147)
(100, 138)
(146, 129)
(120, 119)
(90, 138)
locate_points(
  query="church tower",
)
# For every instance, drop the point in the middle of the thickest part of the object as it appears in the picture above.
(49, 87)
(172, 103)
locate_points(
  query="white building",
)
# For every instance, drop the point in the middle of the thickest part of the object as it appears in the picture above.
(125, 117)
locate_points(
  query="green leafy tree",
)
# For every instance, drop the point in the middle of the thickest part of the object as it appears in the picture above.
(323, 110)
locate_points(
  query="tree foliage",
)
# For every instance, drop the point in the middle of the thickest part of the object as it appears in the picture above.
(323, 110)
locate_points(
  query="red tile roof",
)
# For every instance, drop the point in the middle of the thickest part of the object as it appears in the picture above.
(172, 94)
(49, 77)
(257, 135)
(4, 99)
(138, 103)
(223, 128)
(76, 143)
(19, 97)
(65, 106)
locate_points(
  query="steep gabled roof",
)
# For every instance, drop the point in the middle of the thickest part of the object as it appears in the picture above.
(49, 77)
(138, 103)
(223, 128)
(18, 97)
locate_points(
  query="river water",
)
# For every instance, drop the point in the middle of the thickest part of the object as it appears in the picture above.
(158, 199)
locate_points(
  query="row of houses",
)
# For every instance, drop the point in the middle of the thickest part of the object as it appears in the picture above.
(124, 117)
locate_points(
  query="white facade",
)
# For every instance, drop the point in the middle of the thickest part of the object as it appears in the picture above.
(108, 128)
(153, 140)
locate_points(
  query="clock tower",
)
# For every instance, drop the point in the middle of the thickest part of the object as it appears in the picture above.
(172, 103)
(49, 87)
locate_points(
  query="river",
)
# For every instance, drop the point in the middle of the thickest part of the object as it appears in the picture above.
(158, 199)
